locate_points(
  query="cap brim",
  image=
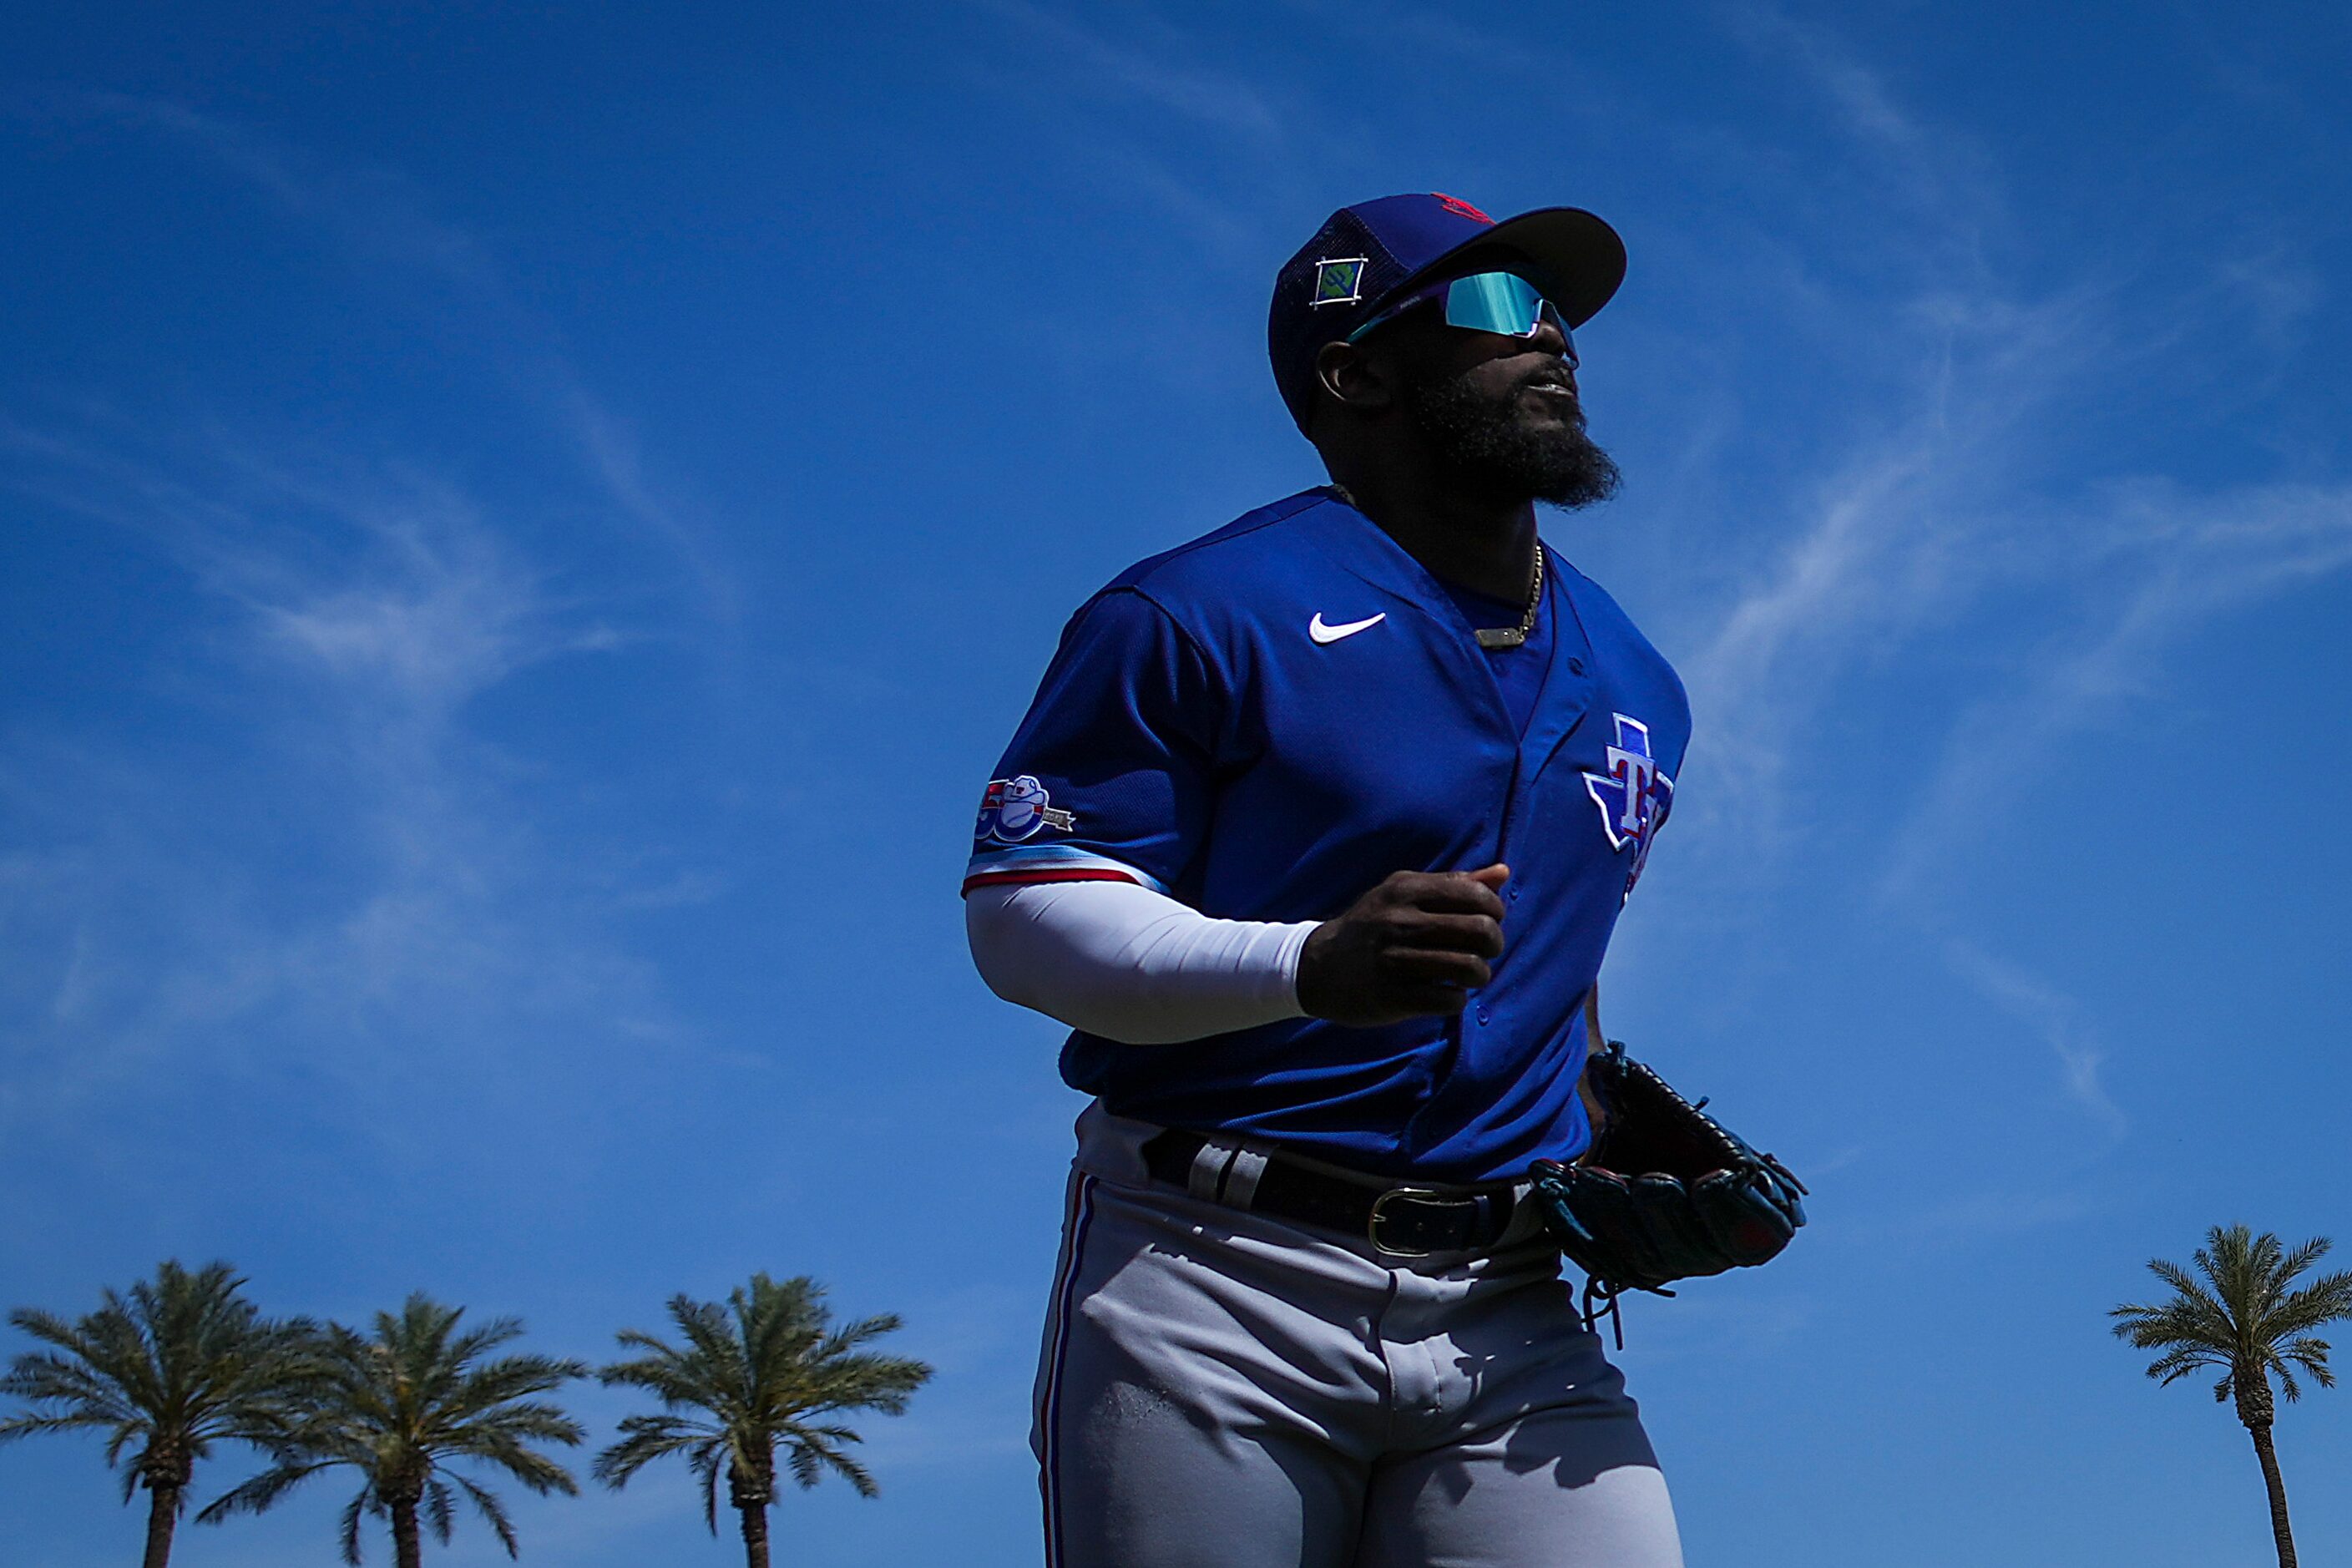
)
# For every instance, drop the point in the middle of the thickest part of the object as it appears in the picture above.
(1573, 256)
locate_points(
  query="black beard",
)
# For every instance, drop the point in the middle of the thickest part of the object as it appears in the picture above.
(1481, 447)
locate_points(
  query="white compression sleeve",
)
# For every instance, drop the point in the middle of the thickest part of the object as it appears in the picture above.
(1121, 961)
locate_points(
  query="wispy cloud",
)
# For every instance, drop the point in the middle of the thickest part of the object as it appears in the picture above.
(378, 215)
(1883, 542)
(386, 580)
(341, 623)
(1946, 514)
(2170, 560)
(1925, 171)
(1976, 1216)
(1936, 502)
(1905, 529)
(2281, 290)
(390, 230)
(616, 457)
(350, 861)
(2051, 1014)
(1215, 144)
(1215, 100)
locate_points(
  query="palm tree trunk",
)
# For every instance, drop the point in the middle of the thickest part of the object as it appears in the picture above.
(408, 1549)
(2277, 1484)
(163, 1519)
(755, 1534)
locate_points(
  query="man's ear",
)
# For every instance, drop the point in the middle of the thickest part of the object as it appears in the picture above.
(1354, 379)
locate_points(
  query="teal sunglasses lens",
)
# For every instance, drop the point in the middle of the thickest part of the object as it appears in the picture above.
(1494, 302)
(1501, 302)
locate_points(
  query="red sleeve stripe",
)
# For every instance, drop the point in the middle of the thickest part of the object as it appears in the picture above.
(1048, 874)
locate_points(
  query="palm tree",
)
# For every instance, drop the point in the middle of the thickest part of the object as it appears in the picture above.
(398, 1405)
(179, 1364)
(2244, 1320)
(756, 1371)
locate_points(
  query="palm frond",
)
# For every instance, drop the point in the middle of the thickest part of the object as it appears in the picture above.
(2310, 1353)
(493, 1512)
(50, 1329)
(533, 1470)
(812, 1452)
(705, 1461)
(2182, 1360)
(349, 1525)
(2325, 1300)
(838, 1345)
(644, 1439)
(2187, 1285)
(2293, 1264)
(256, 1494)
(517, 1417)
(48, 1376)
(33, 1423)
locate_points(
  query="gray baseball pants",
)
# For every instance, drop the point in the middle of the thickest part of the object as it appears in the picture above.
(1220, 1389)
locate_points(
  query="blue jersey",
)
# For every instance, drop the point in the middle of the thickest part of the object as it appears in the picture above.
(1266, 722)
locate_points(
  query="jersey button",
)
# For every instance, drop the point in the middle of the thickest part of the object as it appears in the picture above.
(1482, 1015)
(1515, 894)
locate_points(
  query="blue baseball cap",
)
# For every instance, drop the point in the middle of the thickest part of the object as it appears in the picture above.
(1366, 255)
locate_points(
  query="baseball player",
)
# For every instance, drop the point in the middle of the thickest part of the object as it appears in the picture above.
(1314, 834)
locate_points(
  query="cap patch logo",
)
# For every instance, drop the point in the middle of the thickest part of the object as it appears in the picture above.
(1339, 281)
(1017, 808)
(1460, 209)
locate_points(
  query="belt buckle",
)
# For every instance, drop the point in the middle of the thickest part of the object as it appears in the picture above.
(1372, 1221)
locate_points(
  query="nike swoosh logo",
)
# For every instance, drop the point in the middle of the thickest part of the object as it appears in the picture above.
(1323, 632)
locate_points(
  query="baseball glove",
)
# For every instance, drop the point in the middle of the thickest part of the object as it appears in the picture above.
(1666, 1192)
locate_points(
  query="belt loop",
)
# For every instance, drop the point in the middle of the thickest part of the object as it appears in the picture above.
(1208, 1172)
(1240, 1180)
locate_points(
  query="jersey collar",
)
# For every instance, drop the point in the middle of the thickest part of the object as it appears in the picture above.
(1364, 549)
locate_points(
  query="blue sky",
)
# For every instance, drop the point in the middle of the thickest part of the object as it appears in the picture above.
(523, 530)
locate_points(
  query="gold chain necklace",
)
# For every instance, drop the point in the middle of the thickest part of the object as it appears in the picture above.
(1512, 636)
(1490, 637)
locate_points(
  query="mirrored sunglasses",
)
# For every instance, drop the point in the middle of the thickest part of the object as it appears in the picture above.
(1501, 302)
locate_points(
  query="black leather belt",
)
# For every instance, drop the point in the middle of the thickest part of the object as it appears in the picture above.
(1402, 1221)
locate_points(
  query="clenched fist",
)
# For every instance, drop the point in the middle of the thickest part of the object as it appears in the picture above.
(1417, 944)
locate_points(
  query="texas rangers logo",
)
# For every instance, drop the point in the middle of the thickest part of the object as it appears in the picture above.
(1017, 808)
(1633, 793)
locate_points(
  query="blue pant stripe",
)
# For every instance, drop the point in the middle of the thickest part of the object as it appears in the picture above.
(1050, 1417)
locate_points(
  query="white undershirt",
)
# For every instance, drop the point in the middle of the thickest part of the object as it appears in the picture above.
(1117, 960)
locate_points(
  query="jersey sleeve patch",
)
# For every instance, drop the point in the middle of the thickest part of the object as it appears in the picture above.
(1015, 810)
